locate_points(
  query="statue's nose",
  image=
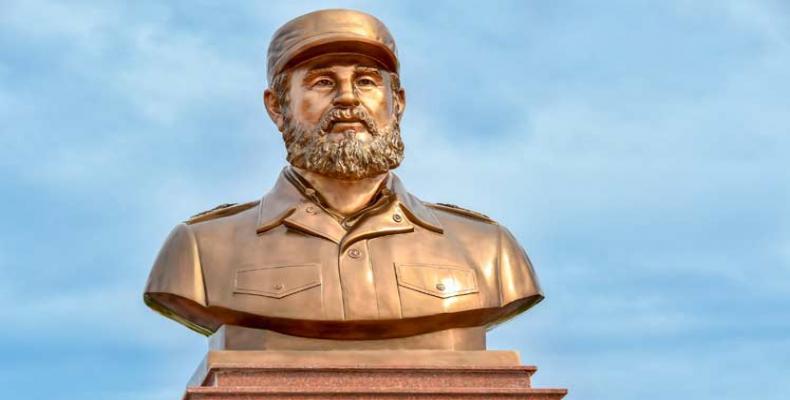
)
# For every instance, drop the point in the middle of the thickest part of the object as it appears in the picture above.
(346, 95)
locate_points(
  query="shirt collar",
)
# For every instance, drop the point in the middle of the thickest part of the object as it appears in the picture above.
(285, 197)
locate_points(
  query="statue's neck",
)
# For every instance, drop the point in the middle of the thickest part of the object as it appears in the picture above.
(344, 196)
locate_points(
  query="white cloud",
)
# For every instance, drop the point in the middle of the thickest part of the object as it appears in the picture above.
(42, 18)
(172, 71)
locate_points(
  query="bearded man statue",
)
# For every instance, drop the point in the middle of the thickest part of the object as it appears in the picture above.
(338, 254)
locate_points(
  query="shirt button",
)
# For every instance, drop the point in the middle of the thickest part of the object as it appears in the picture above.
(354, 253)
(440, 287)
(279, 286)
(397, 218)
(311, 210)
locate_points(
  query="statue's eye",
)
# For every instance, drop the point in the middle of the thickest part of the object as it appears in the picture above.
(366, 82)
(323, 82)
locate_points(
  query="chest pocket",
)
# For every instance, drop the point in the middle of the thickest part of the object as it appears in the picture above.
(442, 281)
(277, 281)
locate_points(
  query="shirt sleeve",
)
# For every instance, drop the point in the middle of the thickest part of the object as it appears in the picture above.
(175, 286)
(518, 284)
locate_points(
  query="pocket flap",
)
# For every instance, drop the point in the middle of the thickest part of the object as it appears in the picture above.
(277, 281)
(442, 281)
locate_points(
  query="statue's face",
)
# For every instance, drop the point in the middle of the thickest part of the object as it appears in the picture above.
(342, 82)
(340, 117)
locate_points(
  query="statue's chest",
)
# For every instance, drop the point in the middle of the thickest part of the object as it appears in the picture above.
(290, 274)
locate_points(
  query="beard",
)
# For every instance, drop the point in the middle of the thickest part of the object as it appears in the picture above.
(348, 157)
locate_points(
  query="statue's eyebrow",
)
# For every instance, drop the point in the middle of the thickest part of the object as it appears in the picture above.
(315, 72)
(367, 70)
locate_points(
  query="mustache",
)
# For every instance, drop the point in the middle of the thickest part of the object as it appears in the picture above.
(346, 114)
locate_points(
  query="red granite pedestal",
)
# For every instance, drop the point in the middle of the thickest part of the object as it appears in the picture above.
(403, 374)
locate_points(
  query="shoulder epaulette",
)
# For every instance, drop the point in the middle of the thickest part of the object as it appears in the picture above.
(463, 211)
(222, 210)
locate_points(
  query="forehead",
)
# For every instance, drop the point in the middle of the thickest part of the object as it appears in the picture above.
(329, 61)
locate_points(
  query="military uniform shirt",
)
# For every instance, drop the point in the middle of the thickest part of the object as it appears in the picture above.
(285, 263)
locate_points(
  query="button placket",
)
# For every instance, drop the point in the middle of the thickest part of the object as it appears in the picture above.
(357, 282)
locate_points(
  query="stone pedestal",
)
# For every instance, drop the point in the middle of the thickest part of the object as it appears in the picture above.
(403, 374)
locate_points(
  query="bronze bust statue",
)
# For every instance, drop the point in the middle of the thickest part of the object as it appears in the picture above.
(339, 255)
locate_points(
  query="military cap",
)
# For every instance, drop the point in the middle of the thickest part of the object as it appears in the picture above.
(330, 31)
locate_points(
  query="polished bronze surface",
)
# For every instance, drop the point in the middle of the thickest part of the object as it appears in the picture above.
(232, 337)
(339, 255)
(331, 31)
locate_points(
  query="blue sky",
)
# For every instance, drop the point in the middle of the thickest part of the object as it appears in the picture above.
(637, 149)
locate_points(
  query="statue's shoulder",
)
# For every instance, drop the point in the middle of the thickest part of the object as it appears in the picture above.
(457, 210)
(220, 211)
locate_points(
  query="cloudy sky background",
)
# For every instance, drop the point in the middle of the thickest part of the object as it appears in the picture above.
(638, 150)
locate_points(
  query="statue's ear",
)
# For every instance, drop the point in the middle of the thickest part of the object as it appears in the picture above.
(272, 104)
(400, 102)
